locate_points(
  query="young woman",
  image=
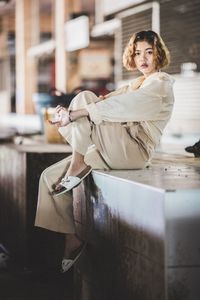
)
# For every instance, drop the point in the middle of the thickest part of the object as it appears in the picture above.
(118, 131)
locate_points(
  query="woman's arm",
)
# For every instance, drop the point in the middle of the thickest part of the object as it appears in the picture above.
(119, 91)
(77, 114)
(63, 117)
(142, 104)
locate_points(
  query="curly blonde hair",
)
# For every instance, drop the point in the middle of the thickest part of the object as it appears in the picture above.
(162, 56)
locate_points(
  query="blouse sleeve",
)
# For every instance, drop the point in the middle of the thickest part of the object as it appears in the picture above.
(119, 91)
(142, 104)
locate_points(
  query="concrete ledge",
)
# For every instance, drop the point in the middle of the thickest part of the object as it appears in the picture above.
(142, 230)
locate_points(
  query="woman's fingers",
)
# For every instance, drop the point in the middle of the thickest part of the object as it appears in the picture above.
(61, 117)
(53, 122)
(60, 108)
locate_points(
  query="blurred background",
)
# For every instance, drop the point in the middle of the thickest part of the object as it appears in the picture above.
(52, 48)
(49, 51)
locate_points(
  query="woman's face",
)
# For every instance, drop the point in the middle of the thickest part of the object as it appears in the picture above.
(145, 58)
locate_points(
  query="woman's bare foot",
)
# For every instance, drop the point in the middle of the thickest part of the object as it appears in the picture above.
(72, 242)
(75, 169)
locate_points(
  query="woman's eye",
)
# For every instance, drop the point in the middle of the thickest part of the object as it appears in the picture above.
(137, 54)
(150, 52)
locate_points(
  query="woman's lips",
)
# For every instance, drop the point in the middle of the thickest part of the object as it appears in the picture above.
(144, 66)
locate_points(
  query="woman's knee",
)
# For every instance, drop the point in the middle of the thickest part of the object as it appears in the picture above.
(82, 99)
(43, 175)
(47, 173)
(86, 93)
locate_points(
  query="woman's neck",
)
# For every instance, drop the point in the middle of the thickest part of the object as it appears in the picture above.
(149, 74)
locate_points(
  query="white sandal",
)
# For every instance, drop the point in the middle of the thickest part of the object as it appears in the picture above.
(70, 182)
(67, 263)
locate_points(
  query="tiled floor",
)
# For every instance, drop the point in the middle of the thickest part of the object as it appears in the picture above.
(18, 285)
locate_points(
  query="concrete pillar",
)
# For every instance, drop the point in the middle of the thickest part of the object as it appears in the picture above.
(26, 12)
(61, 8)
(5, 79)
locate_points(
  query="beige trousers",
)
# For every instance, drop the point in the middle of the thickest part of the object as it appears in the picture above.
(105, 146)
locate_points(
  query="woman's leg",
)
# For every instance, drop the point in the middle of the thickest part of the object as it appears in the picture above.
(121, 147)
(56, 212)
(94, 159)
(77, 164)
(78, 133)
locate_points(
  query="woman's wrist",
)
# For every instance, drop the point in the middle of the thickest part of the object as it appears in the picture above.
(77, 114)
(69, 116)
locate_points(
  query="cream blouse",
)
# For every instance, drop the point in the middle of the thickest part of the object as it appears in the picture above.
(151, 104)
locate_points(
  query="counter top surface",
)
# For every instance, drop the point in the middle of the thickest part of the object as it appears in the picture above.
(36, 144)
(41, 148)
(170, 169)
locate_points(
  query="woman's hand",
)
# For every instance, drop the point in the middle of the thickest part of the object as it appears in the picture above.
(61, 118)
(101, 97)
